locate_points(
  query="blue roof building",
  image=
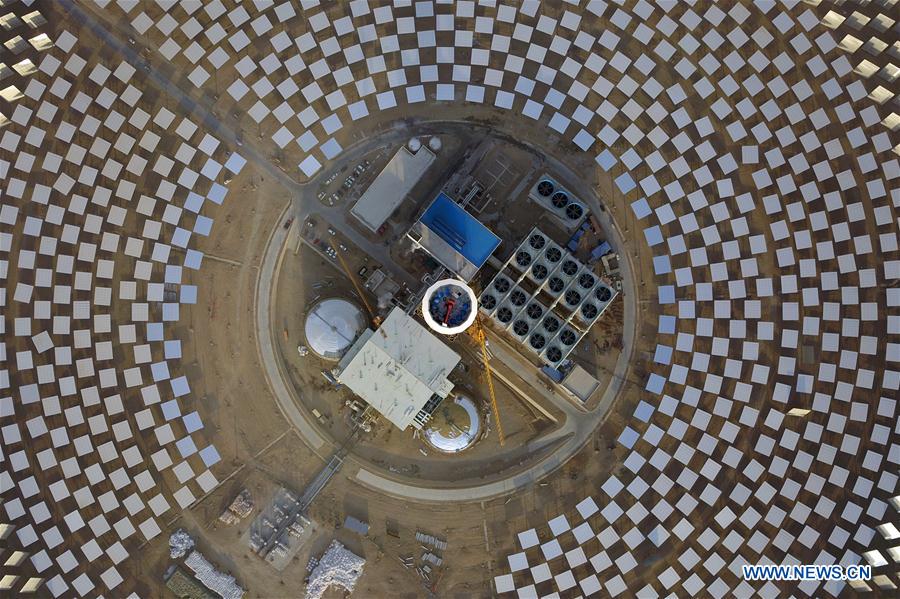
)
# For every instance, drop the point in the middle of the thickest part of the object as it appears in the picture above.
(454, 237)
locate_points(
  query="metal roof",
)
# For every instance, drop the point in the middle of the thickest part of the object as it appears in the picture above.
(461, 230)
(357, 526)
(581, 383)
(454, 237)
(398, 368)
(391, 186)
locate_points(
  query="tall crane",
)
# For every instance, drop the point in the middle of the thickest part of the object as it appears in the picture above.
(359, 290)
(480, 337)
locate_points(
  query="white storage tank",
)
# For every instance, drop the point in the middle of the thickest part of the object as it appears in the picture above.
(454, 426)
(332, 325)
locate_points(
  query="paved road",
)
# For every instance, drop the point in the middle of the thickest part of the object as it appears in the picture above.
(266, 284)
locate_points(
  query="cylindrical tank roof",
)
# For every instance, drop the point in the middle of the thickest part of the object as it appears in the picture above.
(449, 306)
(331, 327)
(435, 144)
(454, 425)
(414, 145)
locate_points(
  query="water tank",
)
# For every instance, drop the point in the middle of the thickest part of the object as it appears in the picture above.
(454, 426)
(449, 306)
(435, 144)
(331, 327)
(414, 145)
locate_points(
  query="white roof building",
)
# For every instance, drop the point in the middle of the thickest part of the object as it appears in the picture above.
(391, 186)
(398, 369)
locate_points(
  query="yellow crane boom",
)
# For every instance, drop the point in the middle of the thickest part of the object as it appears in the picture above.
(478, 333)
(353, 280)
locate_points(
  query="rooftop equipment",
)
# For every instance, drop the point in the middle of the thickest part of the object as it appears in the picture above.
(560, 202)
(453, 237)
(400, 370)
(549, 312)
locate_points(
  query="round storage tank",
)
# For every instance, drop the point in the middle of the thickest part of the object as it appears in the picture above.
(435, 144)
(454, 425)
(449, 307)
(332, 326)
(414, 145)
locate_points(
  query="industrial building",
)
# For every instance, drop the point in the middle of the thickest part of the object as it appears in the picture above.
(453, 237)
(400, 370)
(391, 186)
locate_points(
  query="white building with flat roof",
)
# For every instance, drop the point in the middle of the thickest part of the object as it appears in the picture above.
(391, 186)
(400, 370)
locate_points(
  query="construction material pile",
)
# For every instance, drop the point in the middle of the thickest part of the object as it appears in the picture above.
(432, 558)
(239, 509)
(428, 539)
(180, 543)
(218, 582)
(339, 567)
(186, 586)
